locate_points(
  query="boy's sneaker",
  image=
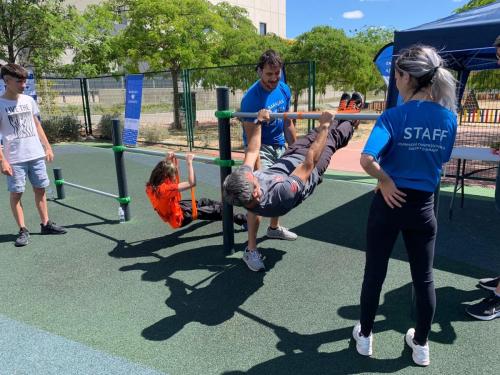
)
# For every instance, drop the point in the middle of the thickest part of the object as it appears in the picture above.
(489, 283)
(363, 344)
(253, 259)
(355, 104)
(52, 228)
(23, 238)
(344, 99)
(281, 233)
(487, 309)
(420, 353)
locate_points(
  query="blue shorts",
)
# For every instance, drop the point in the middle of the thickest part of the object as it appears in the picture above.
(36, 171)
(269, 154)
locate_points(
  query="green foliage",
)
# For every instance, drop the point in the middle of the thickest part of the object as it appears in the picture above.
(35, 32)
(152, 134)
(473, 4)
(61, 128)
(106, 125)
(94, 45)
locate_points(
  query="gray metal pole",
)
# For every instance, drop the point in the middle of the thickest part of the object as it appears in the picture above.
(120, 169)
(59, 187)
(95, 191)
(225, 154)
(314, 116)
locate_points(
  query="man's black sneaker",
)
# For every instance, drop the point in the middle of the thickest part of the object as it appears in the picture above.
(489, 283)
(52, 228)
(487, 309)
(23, 238)
(344, 99)
(356, 103)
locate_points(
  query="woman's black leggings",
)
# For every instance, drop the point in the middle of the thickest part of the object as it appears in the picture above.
(417, 223)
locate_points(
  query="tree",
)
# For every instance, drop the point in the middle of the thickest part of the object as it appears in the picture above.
(168, 35)
(35, 32)
(337, 57)
(94, 45)
(473, 4)
(371, 40)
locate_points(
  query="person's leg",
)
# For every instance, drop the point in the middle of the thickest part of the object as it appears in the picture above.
(17, 209)
(209, 209)
(41, 204)
(268, 156)
(339, 135)
(16, 185)
(420, 240)
(381, 234)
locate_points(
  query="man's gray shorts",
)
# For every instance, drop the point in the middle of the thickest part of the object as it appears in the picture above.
(34, 169)
(269, 154)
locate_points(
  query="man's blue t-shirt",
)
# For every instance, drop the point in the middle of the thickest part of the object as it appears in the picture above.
(411, 142)
(278, 100)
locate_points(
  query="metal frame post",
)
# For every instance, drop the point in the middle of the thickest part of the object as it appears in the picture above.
(84, 106)
(225, 154)
(61, 194)
(87, 104)
(120, 169)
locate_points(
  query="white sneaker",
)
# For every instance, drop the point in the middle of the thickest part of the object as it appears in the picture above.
(420, 353)
(363, 344)
(281, 233)
(253, 259)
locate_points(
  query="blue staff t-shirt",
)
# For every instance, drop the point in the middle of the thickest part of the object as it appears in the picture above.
(411, 142)
(278, 100)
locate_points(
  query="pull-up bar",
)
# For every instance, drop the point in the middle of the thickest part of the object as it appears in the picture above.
(299, 115)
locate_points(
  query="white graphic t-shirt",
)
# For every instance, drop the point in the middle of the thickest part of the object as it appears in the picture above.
(18, 128)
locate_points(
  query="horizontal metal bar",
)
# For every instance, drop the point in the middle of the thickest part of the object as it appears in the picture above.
(311, 115)
(179, 155)
(103, 193)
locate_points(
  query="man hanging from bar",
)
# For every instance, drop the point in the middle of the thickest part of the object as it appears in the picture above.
(288, 182)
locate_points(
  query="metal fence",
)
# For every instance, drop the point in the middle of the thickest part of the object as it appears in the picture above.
(200, 92)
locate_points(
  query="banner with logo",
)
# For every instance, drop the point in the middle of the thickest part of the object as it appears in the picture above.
(133, 101)
(383, 61)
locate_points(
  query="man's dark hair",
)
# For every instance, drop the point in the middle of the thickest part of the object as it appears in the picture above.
(13, 70)
(270, 57)
(497, 42)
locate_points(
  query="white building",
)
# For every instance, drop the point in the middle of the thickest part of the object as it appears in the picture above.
(268, 16)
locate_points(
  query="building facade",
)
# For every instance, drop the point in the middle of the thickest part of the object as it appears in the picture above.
(268, 16)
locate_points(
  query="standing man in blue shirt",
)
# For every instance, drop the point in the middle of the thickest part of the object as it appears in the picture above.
(270, 93)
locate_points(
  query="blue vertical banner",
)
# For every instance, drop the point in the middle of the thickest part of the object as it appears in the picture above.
(133, 101)
(383, 61)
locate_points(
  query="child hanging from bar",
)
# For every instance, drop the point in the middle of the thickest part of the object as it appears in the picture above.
(164, 191)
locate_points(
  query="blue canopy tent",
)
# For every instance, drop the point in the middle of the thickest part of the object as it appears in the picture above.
(464, 40)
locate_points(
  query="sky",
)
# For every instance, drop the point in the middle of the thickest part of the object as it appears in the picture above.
(352, 15)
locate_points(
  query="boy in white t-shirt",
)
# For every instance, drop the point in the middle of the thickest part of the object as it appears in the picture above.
(25, 148)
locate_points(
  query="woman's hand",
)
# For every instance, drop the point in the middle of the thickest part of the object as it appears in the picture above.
(392, 196)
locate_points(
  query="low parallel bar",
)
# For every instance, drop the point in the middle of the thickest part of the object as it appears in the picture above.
(99, 192)
(309, 115)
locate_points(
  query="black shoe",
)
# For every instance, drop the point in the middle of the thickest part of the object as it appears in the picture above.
(344, 99)
(489, 283)
(52, 228)
(240, 219)
(23, 238)
(487, 309)
(356, 103)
